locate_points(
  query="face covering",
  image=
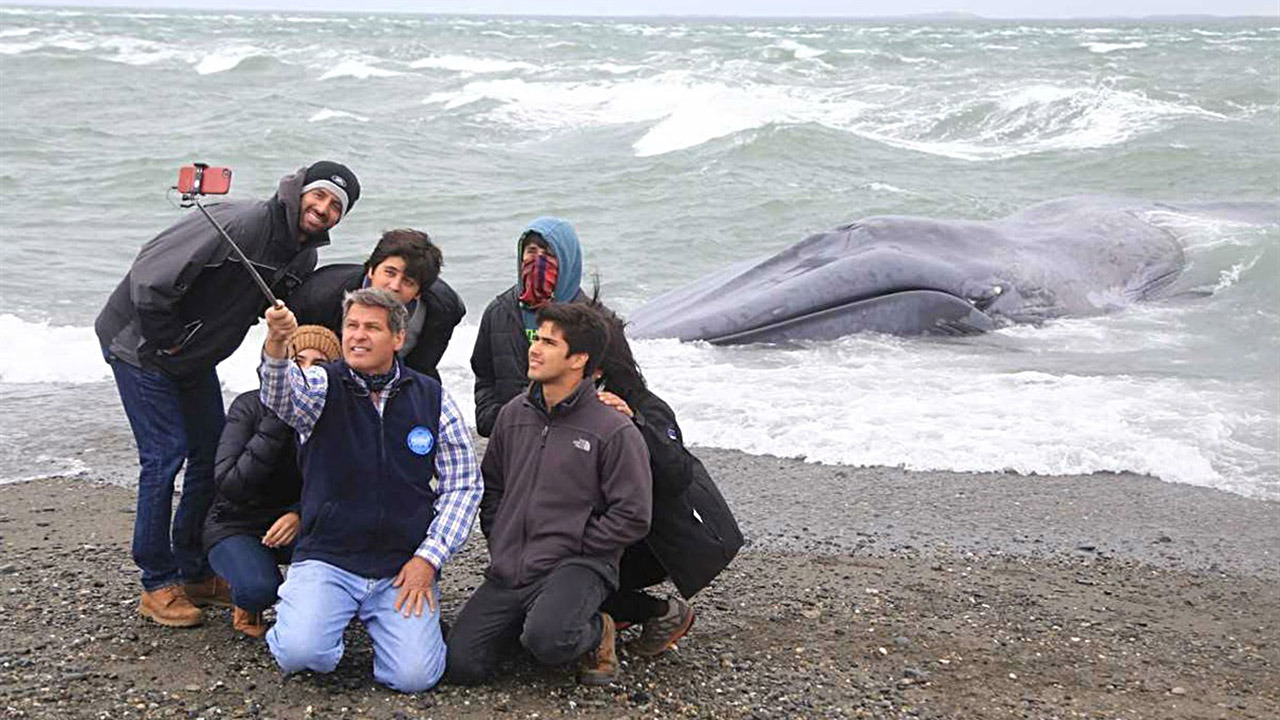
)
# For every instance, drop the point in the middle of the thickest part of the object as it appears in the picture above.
(538, 280)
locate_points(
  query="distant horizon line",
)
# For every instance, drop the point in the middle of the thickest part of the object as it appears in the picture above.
(925, 16)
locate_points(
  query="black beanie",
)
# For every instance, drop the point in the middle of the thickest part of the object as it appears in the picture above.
(336, 178)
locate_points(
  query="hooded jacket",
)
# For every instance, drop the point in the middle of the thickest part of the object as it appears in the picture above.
(566, 485)
(318, 301)
(187, 289)
(500, 359)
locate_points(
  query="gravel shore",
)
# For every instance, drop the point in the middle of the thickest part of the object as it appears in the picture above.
(862, 593)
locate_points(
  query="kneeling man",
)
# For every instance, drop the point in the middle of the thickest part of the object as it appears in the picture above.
(375, 533)
(566, 489)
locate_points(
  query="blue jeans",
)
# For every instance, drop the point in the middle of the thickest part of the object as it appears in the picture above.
(317, 601)
(175, 420)
(251, 568)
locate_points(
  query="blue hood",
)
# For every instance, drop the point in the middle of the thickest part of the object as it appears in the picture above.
(563, 240)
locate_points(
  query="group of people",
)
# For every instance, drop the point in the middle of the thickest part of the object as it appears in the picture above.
(353, 466)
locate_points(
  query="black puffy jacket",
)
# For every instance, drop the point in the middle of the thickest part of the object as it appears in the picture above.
(693, 533)
(187, 289)
(318, 301)
(500, 359)
(255, 472)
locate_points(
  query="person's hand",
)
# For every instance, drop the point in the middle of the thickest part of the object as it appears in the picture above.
(280, 323)
(415, 581)
(615, 402)
(283, 531)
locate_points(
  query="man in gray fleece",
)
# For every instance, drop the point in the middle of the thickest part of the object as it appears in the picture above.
(567, 489)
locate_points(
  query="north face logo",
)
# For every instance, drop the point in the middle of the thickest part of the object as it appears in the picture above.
(582, 444)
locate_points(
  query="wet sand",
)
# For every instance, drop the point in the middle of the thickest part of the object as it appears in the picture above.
(862, 593)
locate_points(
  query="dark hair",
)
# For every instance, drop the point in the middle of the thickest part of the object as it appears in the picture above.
(583, 327)
(621, 373)
(422, 258)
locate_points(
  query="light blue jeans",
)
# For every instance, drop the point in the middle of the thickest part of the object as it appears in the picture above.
(317, 600)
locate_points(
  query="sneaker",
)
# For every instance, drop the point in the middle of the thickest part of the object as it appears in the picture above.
(600, 666)
(660, 634)
(249, 623)
(213, 591)
(170, 607)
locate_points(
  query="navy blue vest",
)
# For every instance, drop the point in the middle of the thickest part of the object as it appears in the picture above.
(367, 499)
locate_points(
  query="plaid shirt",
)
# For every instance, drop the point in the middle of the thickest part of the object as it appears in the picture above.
(297, 397)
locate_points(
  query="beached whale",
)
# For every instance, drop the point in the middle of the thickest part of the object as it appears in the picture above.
(910, 276)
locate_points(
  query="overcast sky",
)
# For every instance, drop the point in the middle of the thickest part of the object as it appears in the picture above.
(754, 8)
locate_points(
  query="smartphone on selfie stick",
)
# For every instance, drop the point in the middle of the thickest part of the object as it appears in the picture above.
(200, 179)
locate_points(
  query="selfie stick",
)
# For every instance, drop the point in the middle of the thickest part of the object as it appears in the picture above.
(262, 284)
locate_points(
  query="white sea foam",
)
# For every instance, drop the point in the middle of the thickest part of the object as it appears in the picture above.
(49, 353)
(357, 69)
(688, 111)
(470, 65)
(18, 32)
(225, 59)
(327, 114)
(1025, 120)
(874, 400)
(1103, 48)
(799, 50)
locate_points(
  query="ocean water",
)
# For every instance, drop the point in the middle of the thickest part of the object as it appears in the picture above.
(678, 147)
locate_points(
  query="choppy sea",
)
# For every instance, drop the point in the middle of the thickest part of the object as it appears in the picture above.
(677, 147)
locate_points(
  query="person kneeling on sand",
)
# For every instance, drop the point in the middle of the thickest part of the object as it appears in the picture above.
(375, 533)
(407, 263)
(254, 518)
(567, 487)
(693, 536)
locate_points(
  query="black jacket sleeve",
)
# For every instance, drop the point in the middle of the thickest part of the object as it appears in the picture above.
(251, 443)
(487, 404)
(318, 300)
(672, 465)
(444, 311)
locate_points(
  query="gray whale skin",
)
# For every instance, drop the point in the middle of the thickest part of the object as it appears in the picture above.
(916, 276)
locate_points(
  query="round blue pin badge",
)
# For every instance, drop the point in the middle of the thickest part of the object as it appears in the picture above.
(421, 440)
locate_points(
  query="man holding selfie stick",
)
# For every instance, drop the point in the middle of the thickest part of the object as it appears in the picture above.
(184, 306)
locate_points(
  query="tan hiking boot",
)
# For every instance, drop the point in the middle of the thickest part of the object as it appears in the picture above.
(213, 591)
(249, 623)
(170, 607)
(600, 666)
(660, 634)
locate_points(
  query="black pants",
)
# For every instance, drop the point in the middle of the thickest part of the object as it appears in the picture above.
(556, 619)
(639, 569)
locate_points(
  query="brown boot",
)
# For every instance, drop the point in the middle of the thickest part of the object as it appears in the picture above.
(213, 591)
(661, 633)
(170, 606)
(249, 623)
(600, 666)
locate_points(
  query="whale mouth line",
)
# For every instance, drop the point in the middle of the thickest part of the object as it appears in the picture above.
(930, 311)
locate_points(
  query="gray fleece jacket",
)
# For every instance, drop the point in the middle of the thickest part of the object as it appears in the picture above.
(569, 485)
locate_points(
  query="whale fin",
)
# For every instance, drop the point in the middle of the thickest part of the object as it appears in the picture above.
(910, 312)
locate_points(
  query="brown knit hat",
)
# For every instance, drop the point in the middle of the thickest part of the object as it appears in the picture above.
(315, 337)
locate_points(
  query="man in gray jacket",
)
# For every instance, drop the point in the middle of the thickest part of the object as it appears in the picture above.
(183, 307)
(567, 488)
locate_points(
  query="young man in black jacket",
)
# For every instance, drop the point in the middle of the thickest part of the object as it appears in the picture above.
(406, 263)
(567, 488)
(183, 307)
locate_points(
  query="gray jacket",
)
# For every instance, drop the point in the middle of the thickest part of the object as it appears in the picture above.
(187, 289)
(570, 485)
